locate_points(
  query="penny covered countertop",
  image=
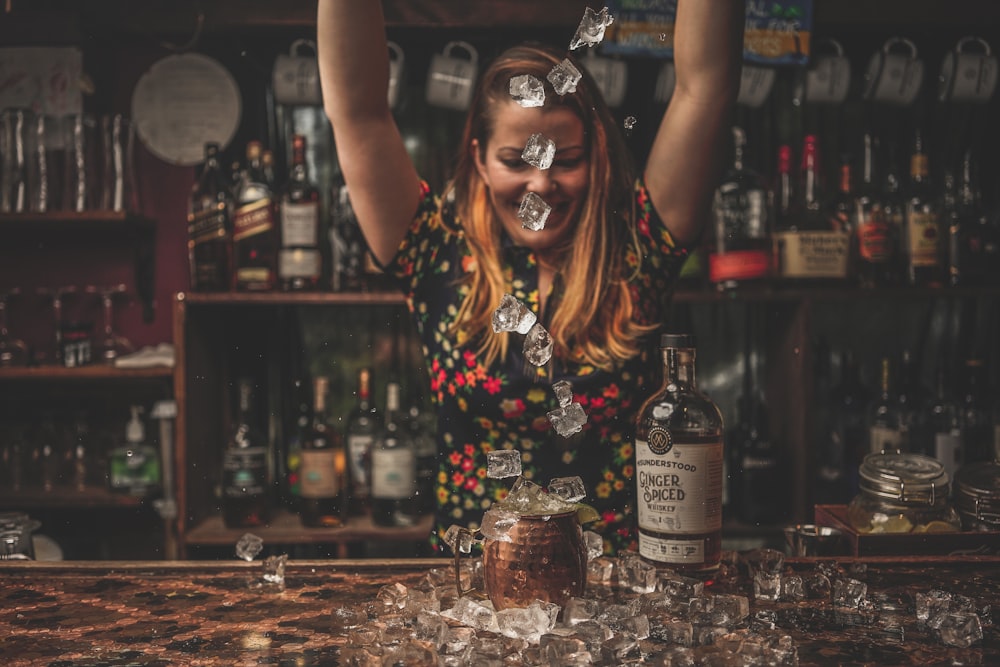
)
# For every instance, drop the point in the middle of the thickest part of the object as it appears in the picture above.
(342, 613)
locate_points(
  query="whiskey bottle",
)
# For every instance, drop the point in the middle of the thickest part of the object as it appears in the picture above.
(943, 437)
(362, 428)
(678, 466)
(255, 234)
(347, 244)
(245, 465)
(873, 243)
(209, 211)
(322, 467)
(924, 243)
(299, 260)
(393, 468)
(885, 430)
(741, 250)
(972, 239)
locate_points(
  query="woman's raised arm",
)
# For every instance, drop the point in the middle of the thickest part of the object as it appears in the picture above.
(354, 71)
(684, 163)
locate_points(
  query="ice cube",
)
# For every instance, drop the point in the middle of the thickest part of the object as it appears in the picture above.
(629, 123)
(590, 32)
(568, 420)
(793, 587)
(459, 538)
(594, 543)
(512, 315)
(570, 489)
(533, 212)
(960, 629)
(564, 77)
(538, 347)
(527, 90)
(249, 546)
(539, 151)
(528, 623)
(274, 571)
(578, 610)
(636, 574)
(502, 463)
(564, 392)
(849, 592)
(497, 523)
(932, 603)
(766, 586)
(473, 614)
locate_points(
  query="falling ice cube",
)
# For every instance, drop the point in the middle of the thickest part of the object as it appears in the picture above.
(249, 546)
(459, 538)
(564, 77)
(564, 392)
(594, 543)
(503, 463)
(497, 523)
(533, 212)
(539, 151)
(527, 90)
(274, 571)
(591, 29)
(629, 123)
(570, 489)
(512, 315)
(568, 420)
(538, 345)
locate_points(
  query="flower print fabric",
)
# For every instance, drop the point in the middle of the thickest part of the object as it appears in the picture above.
(503, 406)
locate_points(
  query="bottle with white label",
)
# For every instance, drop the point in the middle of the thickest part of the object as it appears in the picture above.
(393, 468)
(299, 260)
(678, 467)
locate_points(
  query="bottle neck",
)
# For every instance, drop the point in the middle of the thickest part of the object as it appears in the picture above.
(678, 366)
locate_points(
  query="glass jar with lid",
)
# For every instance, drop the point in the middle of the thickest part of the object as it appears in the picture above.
(977, 496)
(902, 493)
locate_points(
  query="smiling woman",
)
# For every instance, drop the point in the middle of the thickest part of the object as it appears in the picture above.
(596, 271)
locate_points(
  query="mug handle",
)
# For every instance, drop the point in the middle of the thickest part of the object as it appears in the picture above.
(297, 45)
(971, 39)
(396, 52)
(900, 41)
(468, 48)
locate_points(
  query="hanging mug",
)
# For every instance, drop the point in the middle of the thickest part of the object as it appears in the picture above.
(610, 74)
(829, 78)
(665, 82)
(755, 85)
(295, 77)
(968, 73)
(396, 60)
(895, 73)
(451, 79)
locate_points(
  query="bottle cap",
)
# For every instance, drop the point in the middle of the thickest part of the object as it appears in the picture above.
(677, 340)
(135, 431)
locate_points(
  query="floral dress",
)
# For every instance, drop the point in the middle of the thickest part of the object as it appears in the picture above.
(503, 406)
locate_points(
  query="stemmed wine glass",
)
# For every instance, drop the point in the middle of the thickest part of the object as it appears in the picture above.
(13, 351)
(56, 294)
(111, 345)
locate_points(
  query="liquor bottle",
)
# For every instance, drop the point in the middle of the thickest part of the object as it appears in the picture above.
(894, 210)
(425, 450)
(297, 426)
(810, 248)
(846, 437)
(873, 243)
(741, 249)
(759, 476)
(942, 439)
(209, 231)
(393, 468)
(885, 432)
(347, 244)
(255, 234)
(972, 240)
(362, 428)
(924, 244)
(841, 205)
(975, 419)
(244, 465)
(267, 168)
(135, 466)
(299, 260)
(784, 190)
(323, 466)
(678, 465)
(912, 397)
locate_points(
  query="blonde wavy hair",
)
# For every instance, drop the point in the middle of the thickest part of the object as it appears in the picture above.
(592, 322)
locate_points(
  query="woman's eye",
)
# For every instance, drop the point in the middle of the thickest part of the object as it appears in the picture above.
(514, 163)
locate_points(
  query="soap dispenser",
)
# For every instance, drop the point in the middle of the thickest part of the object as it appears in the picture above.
(135, 466)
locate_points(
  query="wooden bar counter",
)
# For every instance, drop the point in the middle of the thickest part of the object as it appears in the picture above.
(207, 613)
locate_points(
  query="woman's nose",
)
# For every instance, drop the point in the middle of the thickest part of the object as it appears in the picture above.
(541, 182)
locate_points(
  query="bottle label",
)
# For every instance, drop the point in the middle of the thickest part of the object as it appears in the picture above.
(252, 219)
(298, 263)
(244, 472)
(393, 474)
(948, 450)
(873, 238)
(207, 225)
(924, 238)
(299, 224)
(318, 472)
(739, 265)
(680, 489)
(812, 254)
(359, 449)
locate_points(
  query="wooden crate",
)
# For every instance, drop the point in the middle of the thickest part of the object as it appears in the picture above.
(906, 544)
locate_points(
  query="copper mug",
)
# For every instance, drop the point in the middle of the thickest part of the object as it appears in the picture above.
(545, 559)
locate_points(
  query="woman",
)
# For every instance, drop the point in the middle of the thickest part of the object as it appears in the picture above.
(596, 275)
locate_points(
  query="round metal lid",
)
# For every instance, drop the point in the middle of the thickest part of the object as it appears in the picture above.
(910, 478)
(977, 490)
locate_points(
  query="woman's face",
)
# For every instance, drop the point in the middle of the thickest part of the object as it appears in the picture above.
(508, 178)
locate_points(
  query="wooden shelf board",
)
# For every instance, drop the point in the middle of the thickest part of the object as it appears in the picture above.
(292, 298)
(286, 528)
(91, 497)
(87, 373)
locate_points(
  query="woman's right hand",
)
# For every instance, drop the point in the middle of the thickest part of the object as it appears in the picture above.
(354, 71)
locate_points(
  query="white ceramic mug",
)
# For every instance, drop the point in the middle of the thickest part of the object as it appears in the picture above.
(396, 60)
(755, 85)
(665, 82)
(451, 80)
(295, 77)
(895, 73)
(968, 73)
(829, 78)
(610, 75)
